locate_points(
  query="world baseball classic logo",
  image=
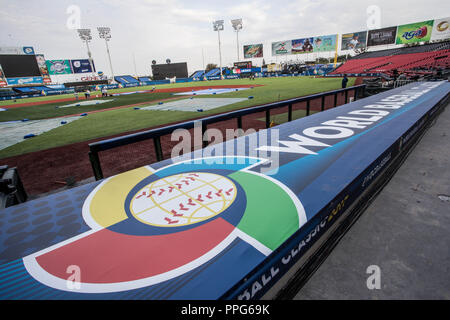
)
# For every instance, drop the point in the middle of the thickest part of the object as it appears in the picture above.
(152, 226)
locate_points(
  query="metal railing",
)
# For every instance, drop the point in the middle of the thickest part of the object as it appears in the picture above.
(156, 134)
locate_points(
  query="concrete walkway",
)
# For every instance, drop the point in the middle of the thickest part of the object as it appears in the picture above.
(405, 232)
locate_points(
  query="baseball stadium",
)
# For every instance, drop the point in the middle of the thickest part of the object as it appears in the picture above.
(239, 180)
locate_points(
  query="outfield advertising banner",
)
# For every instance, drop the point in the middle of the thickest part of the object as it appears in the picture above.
(3, 82)
(281, 47)
(58, 67)
(82, 66)
(441, 29)
(43, 68)
(381, 36)
(24, 80)
(303, 45)
(17, 50)
(353, 41)
(253, 51)
(325, 43)
(414, 32)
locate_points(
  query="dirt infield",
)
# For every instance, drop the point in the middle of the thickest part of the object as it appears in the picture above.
(47, 170)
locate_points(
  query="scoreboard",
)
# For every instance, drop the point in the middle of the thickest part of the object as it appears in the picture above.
(169, 70)
(17, 65)
(243, 65)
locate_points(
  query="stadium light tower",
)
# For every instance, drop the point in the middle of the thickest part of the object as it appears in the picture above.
(237, 25)
(105, 33)
(85, 35)
(218, 26)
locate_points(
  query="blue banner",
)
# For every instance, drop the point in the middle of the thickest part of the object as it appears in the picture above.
(82, 66)
(24, 80)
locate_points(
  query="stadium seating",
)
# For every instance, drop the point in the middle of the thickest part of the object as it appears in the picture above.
(27, 90)
(146, 79)
(126, 79)
(197, 74)
(212, 73)
(7, 92)
(408, 59)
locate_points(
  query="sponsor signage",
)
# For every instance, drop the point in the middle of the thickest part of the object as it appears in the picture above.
(82, 66)
(414, 32)
(304, 45)
(354, 41)
(58, 67)
(325, 43)
(3, 82)
(382, 36)
(24, 80)
(253, 51)
(17, 50)
(43, 68)
(281, 47)
(441, 29)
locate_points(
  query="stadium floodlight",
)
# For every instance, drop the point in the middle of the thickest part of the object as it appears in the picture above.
(105, 33)
(85, 35)
(237, 26)
(218, 26)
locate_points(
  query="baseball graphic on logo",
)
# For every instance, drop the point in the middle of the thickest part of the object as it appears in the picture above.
(183, 199)
(153, 226)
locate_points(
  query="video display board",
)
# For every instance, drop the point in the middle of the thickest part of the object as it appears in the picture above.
(169, 70)
(19, 65)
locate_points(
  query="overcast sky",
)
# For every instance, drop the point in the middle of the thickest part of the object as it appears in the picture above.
(182, 30)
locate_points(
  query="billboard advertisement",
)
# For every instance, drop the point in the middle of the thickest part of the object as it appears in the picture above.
(24, 80)
(43, 68)
(253, 51)
(414, 32)
(82, 66)
(303, 45)
(441, 29)
(325, 43)
(281, 47)
(57, 67)
(2, 77)
(354, 41)
(17, 50)
(381, 36)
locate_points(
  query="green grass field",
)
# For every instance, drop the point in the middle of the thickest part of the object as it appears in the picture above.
(110, 122)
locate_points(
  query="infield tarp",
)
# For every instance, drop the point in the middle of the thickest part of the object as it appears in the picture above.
(194, 227)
